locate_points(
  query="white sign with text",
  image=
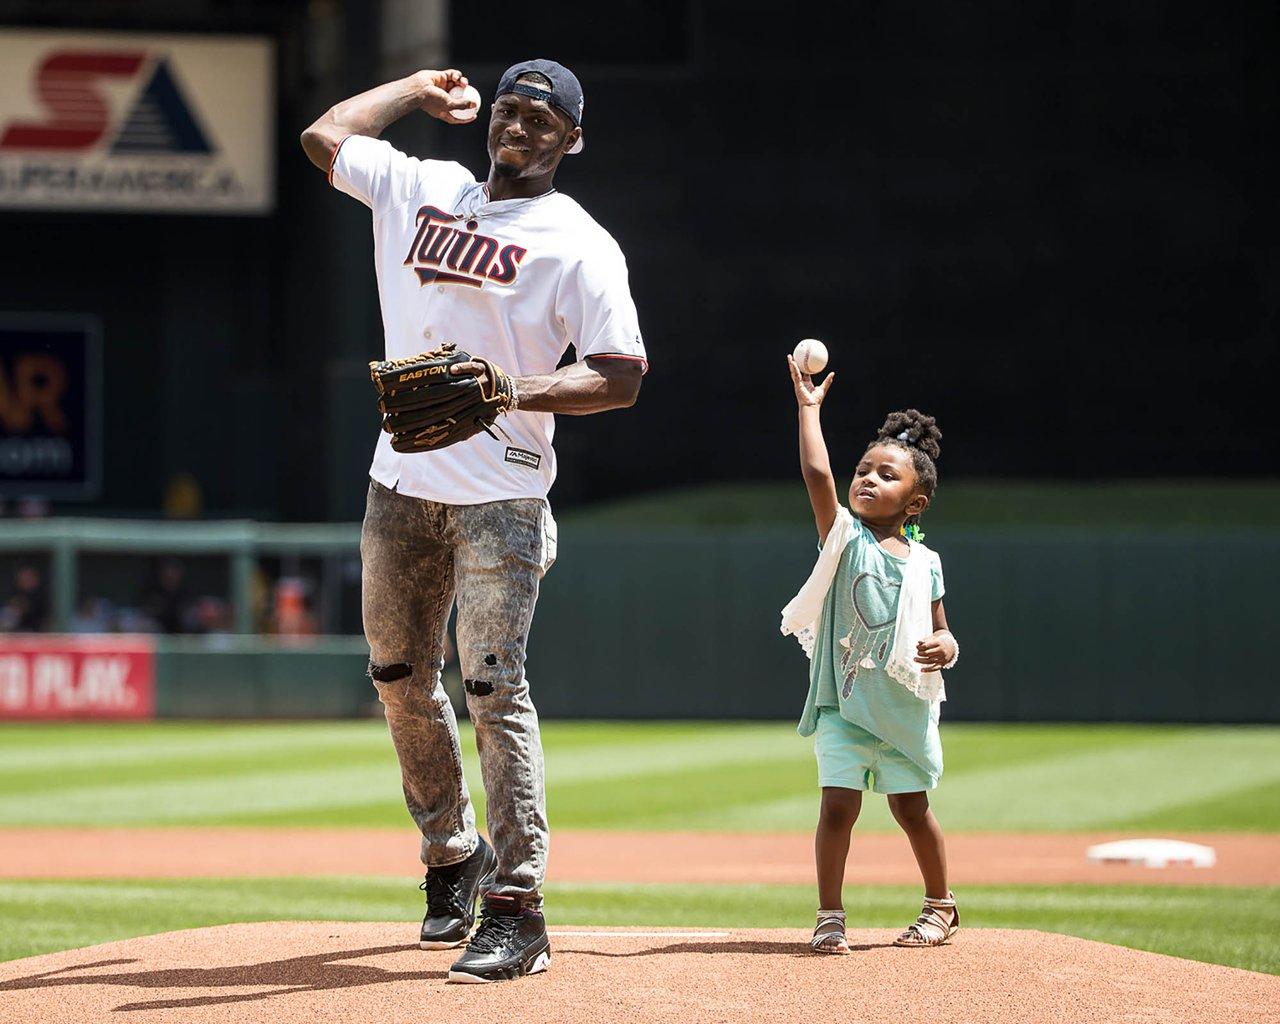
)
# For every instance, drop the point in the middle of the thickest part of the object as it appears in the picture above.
(140, 123)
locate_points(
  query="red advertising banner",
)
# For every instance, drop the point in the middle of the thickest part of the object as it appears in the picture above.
(50, 677)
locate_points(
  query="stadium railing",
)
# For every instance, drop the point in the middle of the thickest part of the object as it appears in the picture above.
(241, 542)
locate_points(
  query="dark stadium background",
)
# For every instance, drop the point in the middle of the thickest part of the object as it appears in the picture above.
(1051, 225)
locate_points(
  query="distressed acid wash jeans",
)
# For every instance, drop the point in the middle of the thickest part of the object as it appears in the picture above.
(419, 557)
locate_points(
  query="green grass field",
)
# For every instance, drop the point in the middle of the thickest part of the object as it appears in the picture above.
(643, 776)
(713, 776)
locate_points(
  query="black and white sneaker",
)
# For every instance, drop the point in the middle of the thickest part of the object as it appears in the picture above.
(452, 892)
(510, 943)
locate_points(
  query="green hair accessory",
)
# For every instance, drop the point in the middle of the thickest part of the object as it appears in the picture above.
(913, 532)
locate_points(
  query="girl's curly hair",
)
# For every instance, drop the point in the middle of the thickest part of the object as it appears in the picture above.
(918, 434)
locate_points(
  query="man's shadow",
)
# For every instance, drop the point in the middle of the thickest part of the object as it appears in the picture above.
(319, 972)
(795, 949)
(315, 973)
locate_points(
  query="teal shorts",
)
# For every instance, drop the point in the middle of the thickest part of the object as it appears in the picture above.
(851, 758)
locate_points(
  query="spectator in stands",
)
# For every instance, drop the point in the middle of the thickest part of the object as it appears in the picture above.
(95, 615)
(293, 615)
(165, 601)
(27, 611)
(210, 615)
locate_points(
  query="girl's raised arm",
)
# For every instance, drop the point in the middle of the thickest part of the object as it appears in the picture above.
(815, 466)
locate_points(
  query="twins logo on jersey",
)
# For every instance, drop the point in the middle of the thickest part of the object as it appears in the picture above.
(447, 254)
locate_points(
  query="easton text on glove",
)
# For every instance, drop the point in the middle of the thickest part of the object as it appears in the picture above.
(426, 408)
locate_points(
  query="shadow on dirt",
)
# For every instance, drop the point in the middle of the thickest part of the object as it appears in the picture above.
(747, 946)
(315, 973)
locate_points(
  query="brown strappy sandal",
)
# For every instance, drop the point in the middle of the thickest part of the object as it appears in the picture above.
(828, 934)
(932, 928)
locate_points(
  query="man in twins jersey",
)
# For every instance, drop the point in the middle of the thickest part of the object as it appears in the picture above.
(515, 272)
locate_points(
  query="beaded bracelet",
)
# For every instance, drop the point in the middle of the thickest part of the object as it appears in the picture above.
(955, 657)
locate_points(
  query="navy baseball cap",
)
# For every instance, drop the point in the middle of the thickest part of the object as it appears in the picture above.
(565, 93)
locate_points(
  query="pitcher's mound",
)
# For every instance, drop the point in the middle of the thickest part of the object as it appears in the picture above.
(356, 973)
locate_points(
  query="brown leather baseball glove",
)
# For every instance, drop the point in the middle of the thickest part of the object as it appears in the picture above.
(425, 407)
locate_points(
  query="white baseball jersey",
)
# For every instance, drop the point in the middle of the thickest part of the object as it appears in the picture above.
(516, 281)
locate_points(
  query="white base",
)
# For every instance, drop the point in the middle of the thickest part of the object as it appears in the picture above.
(1153, 853)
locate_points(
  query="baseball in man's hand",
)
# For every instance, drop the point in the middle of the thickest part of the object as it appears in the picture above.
(810, 356)
(472, 95)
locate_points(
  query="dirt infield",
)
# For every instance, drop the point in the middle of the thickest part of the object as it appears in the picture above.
(703, 857)
(355, 973)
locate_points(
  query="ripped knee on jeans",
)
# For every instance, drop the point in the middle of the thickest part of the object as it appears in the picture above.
(478, 687)
(389, 673)
(482, 687)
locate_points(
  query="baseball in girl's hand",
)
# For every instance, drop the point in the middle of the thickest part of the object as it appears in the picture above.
(810, 356)
(808, 394)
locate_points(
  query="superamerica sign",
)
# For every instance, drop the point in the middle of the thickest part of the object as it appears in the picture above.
(140, 123)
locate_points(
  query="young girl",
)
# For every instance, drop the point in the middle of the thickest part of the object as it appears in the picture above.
(870, 617)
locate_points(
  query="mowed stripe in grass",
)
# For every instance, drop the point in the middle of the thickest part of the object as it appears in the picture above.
(40, 746)
(1198, 923)
(684, 775)
(1259, 803)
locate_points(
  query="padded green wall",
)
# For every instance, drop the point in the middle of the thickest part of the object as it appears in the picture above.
(252, 677)
(682, 623)
(1061, 626)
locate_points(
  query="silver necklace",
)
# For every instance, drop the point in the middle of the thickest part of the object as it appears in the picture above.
(508, 205)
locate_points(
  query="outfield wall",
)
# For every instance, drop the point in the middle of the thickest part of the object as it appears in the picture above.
(1054, 625)
(251, 677)
(683, 623)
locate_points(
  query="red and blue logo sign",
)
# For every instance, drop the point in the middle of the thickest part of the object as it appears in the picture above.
(70, 85)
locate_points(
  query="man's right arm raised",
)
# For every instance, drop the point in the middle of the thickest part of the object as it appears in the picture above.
(371, 112)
